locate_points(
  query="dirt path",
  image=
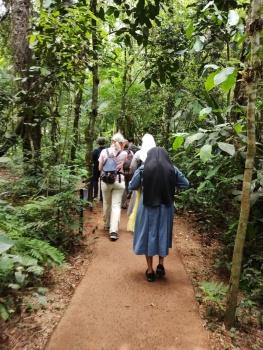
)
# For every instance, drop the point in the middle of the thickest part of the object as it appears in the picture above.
(114, 307)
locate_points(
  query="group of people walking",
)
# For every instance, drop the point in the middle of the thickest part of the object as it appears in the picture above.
(152, 180)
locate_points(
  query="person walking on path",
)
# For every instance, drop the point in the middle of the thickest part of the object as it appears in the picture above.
(139, 157)
(158, 179)
(101, 141)
(127, 174)
(112, 192)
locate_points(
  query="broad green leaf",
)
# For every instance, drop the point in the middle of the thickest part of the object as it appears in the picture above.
(25, 260)
(5, 243)
(91, 14)
(227, 147)
(177, 101)
(233, 18)
(210, 3)
(32, 38)
(44, 71)
(198, 45)
(205, 153)
(212, 172)
(204, 112)
(207, 66)
(20, 277)
(36, 270)
(190, 139)
(223, 75)
(47, 3)
(229, 82)
(6, 264)
(204, 185)
(178, 141)
(209, 83)
(3, 312)
(238, 128)
(4, 160)
(189, 30)
(14, 286)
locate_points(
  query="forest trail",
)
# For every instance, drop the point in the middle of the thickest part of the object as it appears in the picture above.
(115, 308)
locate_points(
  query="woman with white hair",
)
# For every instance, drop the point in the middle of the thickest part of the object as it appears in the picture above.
(112, 192)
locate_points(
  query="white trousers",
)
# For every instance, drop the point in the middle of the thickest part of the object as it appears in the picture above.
(112, 195)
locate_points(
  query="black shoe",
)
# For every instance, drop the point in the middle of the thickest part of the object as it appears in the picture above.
(160, 271)
(151, 277)
(114, 236)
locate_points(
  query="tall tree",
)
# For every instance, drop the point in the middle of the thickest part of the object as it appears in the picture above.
(77, 112)
(95, 86)
(30, 122)
(252, 75)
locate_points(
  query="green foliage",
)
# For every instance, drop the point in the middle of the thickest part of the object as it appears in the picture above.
(22, 264)
(213, 180)
(30, 235)
(54, 219)
(214, 294)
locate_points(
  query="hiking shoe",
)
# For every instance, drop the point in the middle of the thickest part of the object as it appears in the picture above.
(150, 276)
(160, 271)
(114, 236)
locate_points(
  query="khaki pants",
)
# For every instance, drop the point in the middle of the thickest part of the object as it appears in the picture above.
(112, 195)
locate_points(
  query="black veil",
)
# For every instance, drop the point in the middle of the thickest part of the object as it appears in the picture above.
(159, 178)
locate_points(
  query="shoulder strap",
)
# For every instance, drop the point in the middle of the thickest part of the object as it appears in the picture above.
(112, 155)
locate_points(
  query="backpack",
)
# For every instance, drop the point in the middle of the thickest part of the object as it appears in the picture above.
(127, 163)
(109, 170)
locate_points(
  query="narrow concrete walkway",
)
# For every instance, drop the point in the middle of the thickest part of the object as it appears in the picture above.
(115, 308)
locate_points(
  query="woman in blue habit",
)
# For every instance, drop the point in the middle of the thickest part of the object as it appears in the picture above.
(158, 179)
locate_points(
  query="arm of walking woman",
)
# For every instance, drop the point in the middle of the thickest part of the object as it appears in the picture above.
(135, 182)
(181, 180)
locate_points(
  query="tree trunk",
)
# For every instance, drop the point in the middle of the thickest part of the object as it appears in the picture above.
(167, 116)
(121, 121)
(239, 95)
(77, 109)
(95, 89)
(54, 135)
(31, 129)
(252, 74)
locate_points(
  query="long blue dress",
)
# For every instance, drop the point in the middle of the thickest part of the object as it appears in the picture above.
(154, 225)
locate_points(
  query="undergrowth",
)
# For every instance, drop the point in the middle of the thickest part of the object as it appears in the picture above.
(39, 227)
